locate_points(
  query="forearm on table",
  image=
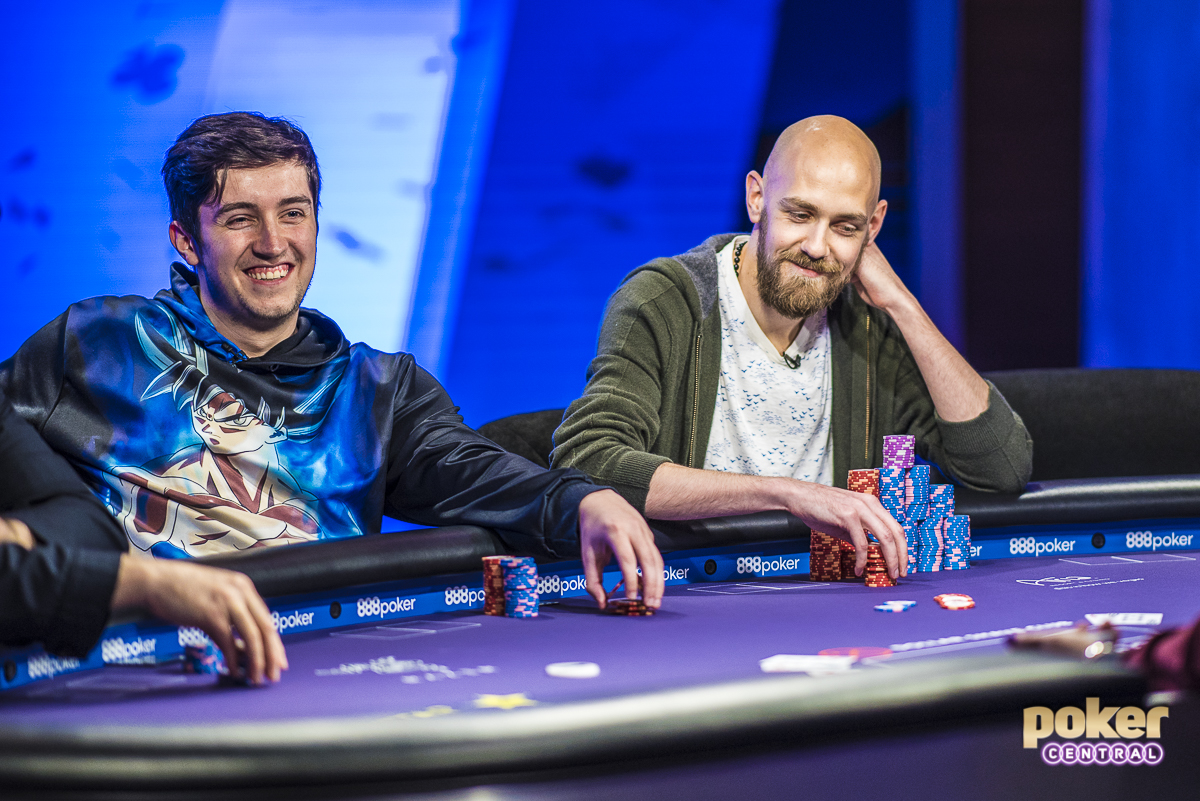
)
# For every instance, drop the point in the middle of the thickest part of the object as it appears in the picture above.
(684, 493)
(957, 391)
(133, 582)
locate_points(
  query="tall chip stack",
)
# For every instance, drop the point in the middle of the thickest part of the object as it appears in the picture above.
(937, 538)
(875, 575)
(943, 538)
(956, 548)
(825, 558)
(831, 559)
(510, 586)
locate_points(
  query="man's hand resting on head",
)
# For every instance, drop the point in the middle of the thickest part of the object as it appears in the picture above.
(609, 526)
(222, 603)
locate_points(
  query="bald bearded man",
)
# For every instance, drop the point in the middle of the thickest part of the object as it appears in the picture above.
(753, 372)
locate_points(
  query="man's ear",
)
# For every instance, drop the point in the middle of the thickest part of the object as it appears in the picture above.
(182, 242)
(876, 222)
(754, 196)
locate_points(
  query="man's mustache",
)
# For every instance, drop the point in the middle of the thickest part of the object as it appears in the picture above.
(826, 266)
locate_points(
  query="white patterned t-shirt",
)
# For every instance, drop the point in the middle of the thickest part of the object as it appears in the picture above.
(770, 419)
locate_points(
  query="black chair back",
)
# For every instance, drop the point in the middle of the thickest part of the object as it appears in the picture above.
(1100, 423)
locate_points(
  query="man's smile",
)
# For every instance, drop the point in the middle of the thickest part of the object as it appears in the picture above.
(270, 272)
(807, 273)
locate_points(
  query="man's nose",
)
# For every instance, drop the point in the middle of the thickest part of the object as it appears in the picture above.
(815, 245)
(271, 241)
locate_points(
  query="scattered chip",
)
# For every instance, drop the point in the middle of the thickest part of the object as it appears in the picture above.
(818, 665)
(954, 600)
(573, 670)
(632, 607)
(895, 606)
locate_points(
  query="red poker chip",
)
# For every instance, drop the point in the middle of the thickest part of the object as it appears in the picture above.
(954, 600)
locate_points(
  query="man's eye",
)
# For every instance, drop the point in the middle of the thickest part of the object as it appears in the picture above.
(237, 222)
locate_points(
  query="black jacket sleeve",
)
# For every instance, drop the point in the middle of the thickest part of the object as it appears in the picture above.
(441, 472)
(59, 592)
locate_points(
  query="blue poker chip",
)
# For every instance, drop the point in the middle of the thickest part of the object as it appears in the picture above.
(895, 606)
(205, 659)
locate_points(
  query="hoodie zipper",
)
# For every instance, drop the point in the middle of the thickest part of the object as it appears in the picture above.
(695, 405)
(867, 436)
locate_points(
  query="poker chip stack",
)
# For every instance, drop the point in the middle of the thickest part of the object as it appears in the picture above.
(831, 559)
(928, 553)
(825, 557)
(863, 481)
(629, 607)
(899, 450)
(922, 509)
(205, 659)
(510, 586)
(876, 574)
(956, 548)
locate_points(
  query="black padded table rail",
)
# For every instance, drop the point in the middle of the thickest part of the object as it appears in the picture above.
(313, 567)
(1084, 500)
(458, 549)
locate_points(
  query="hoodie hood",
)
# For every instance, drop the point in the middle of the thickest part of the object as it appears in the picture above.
(317, 341)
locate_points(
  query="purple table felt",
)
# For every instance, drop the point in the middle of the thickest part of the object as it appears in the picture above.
(705, 633)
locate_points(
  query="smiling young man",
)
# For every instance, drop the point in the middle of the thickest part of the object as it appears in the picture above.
(753, 372)
(221, 416)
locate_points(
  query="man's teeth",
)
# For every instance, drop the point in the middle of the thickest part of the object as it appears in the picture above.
(268, 273)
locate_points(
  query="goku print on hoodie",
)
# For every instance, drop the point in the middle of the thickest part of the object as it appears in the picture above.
(198, 449)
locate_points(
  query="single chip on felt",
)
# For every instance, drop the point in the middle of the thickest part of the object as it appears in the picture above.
(633, 607)
(895, 606)
(954, 600)
(573, 670)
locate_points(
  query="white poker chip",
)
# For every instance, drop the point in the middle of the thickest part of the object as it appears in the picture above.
(573, 670)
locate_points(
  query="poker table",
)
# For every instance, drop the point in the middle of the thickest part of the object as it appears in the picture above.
(400, 687)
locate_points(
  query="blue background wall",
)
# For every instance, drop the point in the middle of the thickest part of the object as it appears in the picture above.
(494, 167)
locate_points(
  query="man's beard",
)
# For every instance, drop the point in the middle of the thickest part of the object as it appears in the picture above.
(800, 296)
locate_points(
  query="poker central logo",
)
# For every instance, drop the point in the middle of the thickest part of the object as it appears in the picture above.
(1096, 725)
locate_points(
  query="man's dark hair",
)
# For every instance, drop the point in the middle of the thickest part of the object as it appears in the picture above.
(194, 169)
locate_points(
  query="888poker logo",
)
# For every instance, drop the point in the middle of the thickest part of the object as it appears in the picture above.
(1096, 735)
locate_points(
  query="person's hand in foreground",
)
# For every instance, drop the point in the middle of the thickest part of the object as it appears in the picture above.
(608, 527)
(223, 604)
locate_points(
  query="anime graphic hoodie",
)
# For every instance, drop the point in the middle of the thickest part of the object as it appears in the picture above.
(198, 449)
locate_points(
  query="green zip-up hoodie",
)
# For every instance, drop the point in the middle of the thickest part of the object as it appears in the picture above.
(652, 388)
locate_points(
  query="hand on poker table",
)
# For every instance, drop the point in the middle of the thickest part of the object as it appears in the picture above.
(684, 493)
(848, 516)
(224, 604)
(608, 527)
(16, 533)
